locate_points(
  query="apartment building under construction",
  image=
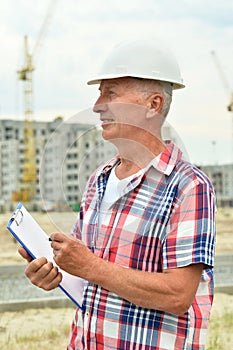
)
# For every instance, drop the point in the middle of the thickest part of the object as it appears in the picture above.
(65, 154)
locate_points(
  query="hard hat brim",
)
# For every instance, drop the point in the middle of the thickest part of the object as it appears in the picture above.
(98, 79)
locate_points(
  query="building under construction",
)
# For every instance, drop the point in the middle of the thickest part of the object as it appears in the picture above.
(221, 177)
(65, 156)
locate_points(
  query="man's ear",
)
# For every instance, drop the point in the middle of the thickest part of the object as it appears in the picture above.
(154, 105)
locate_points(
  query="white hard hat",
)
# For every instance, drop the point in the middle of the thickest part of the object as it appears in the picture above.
(146, 59)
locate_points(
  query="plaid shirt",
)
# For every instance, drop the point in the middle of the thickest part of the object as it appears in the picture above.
(165, 219)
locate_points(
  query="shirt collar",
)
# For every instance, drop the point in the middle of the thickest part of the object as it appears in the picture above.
(164, 162)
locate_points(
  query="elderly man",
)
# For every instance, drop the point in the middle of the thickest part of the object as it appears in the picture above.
(144, 239)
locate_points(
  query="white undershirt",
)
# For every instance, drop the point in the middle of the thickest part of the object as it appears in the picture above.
(114, 190)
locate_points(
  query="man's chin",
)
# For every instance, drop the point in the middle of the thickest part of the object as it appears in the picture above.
(107, 132)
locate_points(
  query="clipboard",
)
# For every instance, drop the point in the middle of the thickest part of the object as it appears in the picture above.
(36, 242)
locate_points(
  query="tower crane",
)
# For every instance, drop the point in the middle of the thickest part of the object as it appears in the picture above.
(228, 90)
(28, 181)
(224, 81)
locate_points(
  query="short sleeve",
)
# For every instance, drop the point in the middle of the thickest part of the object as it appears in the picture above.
(191, 230)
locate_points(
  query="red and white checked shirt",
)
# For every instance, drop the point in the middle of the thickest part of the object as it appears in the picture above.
(165, 219)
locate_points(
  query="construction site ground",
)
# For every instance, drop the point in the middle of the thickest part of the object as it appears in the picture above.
(45, 328)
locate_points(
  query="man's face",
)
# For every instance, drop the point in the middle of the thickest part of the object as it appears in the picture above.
(121, 108)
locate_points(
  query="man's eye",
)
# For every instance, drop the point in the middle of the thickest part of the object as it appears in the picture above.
(111, 92)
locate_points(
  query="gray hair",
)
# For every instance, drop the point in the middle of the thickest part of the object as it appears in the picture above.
(149, 86)
(167, 93)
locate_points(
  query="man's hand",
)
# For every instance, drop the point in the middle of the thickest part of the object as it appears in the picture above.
(41, 272)
(71, 255)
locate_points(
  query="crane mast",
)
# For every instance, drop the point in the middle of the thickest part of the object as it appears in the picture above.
(27, 189)
(28, 181)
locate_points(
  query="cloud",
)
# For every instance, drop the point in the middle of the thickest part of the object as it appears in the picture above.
(81, 34)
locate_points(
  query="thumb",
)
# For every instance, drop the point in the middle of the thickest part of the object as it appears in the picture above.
(24, 254)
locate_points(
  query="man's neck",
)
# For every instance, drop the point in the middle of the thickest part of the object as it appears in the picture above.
(135, 156)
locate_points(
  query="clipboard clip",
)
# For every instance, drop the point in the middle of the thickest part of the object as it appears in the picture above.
(18, 216)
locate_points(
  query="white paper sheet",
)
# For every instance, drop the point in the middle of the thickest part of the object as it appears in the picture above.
(32, 237)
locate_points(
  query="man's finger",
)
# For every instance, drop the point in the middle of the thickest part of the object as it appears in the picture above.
(24, 254)
(35, 266)
(57, 237)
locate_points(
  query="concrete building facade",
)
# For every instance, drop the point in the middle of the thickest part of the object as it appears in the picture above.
(221, 177)
(66, 155)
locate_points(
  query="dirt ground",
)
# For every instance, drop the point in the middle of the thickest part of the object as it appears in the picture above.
(48, 329)
(63, 222)
(50, 222)
(13, 323)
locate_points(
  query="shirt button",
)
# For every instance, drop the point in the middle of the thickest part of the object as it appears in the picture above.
(87, 313)
(92, 243)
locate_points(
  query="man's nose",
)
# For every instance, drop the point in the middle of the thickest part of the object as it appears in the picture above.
(100, 105)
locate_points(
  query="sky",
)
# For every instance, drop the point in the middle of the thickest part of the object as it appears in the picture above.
(79, 36)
